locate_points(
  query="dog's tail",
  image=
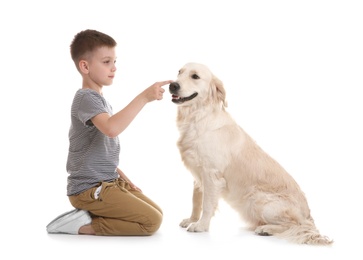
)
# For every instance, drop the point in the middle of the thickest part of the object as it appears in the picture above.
(305, 234)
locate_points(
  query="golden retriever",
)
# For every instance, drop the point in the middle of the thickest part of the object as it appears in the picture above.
(227, 163)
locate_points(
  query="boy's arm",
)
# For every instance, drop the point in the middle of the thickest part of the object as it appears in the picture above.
(112, 126)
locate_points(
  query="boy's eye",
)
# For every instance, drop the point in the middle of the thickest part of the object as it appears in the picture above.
(109, 61)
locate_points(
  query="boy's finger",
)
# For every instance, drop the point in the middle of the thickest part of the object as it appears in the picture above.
(162, 83)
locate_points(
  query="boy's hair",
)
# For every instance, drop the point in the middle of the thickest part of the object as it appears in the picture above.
(87, 41)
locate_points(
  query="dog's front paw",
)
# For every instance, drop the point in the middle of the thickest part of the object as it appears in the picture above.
(185, 223)
(198, 227)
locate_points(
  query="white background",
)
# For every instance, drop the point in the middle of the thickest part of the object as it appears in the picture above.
(293, 75)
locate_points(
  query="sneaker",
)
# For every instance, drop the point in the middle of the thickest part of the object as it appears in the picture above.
(69, 222)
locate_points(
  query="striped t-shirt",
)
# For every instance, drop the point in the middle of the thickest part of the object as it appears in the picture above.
(92, 157)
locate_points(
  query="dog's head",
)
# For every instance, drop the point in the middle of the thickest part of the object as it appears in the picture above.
(196, 84)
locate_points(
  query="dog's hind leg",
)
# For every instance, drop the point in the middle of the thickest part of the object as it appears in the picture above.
(212, 185)
(294, 227)
(277, 217)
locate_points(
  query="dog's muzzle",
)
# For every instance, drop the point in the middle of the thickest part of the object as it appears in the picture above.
(174, 88)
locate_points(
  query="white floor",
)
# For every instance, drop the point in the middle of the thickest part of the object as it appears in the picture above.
(226, 239)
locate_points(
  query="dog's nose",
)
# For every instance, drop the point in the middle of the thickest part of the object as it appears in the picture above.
(174, 87)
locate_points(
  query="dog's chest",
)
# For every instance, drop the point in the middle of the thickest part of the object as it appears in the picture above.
(195, 140)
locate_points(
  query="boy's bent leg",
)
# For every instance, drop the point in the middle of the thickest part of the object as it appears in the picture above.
(143, 197)
(117, 211)
(117, 227)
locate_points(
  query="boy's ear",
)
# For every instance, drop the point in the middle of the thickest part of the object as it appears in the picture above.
(83, 66)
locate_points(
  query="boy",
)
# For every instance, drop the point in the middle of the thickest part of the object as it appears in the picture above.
(106, 202)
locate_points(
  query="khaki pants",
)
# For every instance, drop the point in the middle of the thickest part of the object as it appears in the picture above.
(118, 210)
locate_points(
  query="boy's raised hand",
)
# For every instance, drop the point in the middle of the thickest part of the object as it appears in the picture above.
(155, 91)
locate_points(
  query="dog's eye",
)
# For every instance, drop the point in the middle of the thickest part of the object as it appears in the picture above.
(195, 76)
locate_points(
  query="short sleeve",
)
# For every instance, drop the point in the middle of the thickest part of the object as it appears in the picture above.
(91, 105)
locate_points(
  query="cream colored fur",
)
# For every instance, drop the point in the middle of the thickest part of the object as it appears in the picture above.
(226, 163)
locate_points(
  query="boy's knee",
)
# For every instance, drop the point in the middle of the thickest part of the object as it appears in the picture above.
(155, 224)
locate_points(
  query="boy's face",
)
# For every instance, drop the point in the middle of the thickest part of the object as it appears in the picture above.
(102, 66)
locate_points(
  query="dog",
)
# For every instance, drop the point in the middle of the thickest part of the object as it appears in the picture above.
(227, 163)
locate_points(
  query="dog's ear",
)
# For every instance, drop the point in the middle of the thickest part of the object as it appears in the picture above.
(218, 91)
